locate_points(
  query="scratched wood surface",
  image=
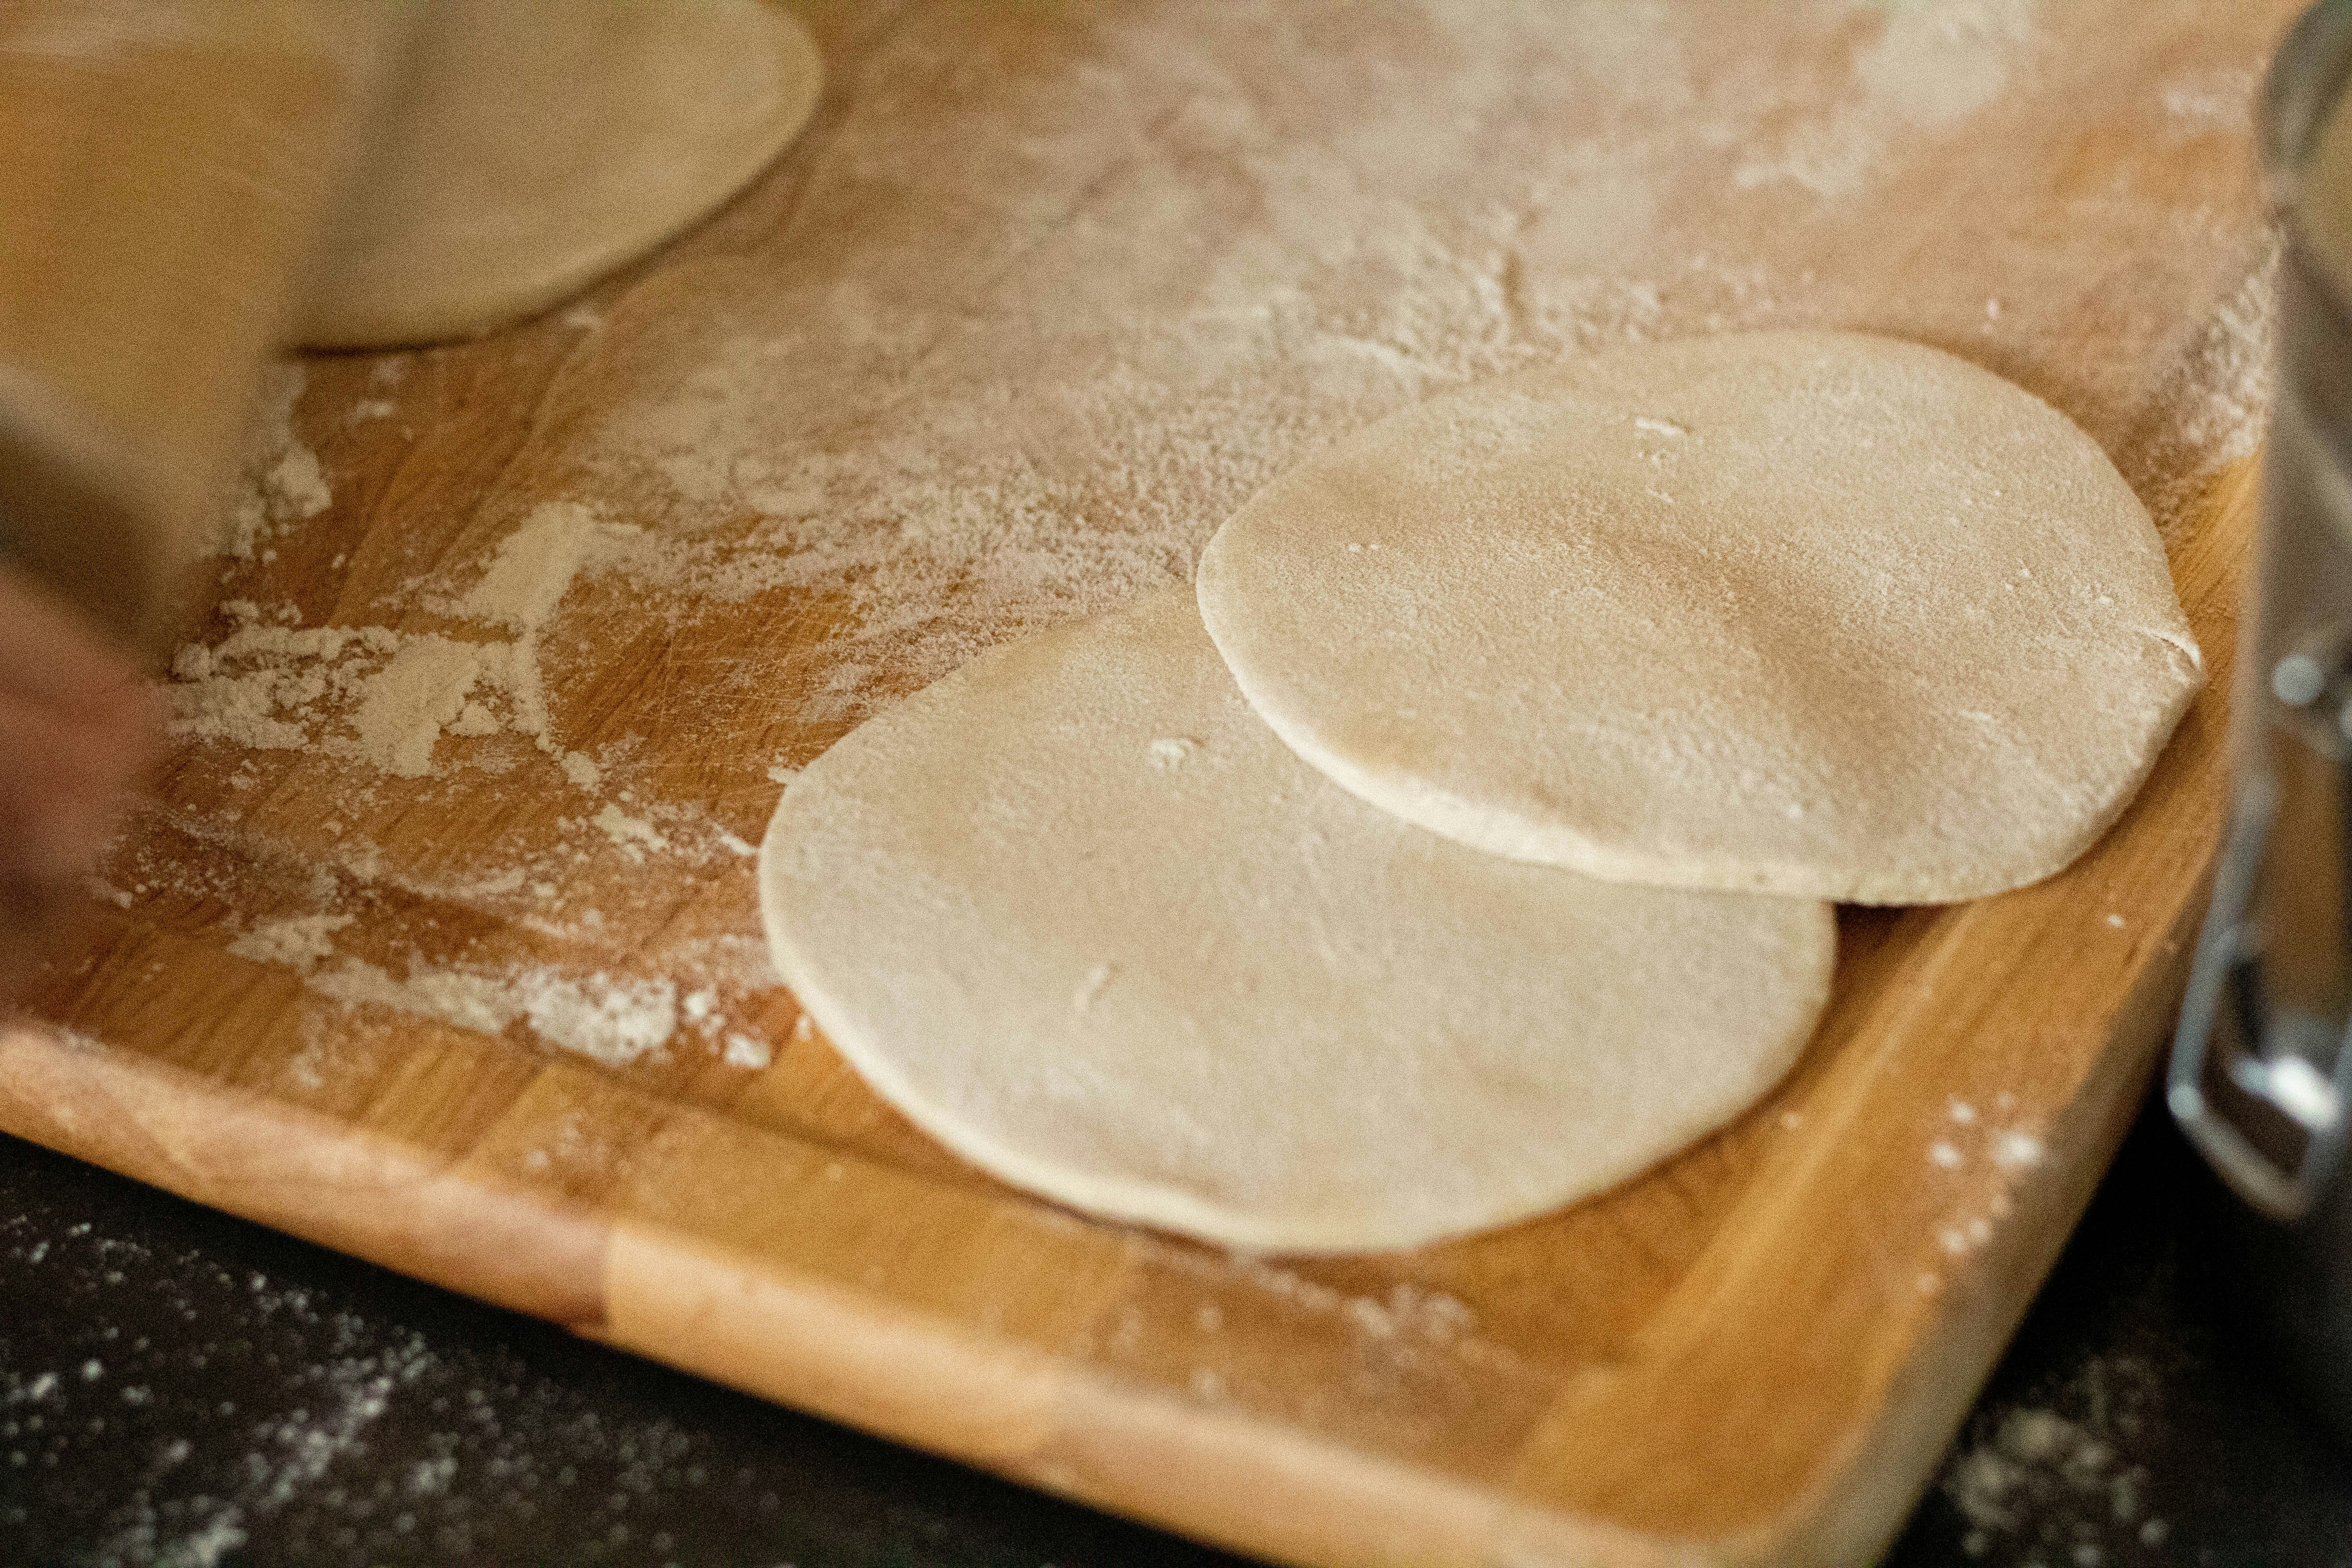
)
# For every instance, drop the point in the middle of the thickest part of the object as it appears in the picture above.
(1752, 1353)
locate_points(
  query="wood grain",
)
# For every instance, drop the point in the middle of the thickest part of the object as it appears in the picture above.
(1750, 1354)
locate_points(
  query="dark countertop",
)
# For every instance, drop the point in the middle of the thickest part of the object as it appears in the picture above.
(182, 1389)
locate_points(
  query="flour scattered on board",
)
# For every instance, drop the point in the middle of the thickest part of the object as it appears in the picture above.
(1931, 66)
(280, 483)
(744, 1051)
(633, 835)
(2014, 1150)
(849, 451)
(1173, 750)
(613, 1021)
(300, 941)
(407, 703)
(258, 687)
(535, 564)
(386, 697)
(2213, 407)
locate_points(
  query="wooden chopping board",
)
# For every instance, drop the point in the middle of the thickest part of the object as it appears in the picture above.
(439, 942)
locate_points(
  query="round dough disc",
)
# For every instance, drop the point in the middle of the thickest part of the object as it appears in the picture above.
(541, 146)
(1807, 613)
(1079, 915)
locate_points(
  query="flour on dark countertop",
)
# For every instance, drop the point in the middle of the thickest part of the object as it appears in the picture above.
(2058, 1485)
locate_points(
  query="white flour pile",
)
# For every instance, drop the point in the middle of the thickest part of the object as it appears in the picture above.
(281, 484)
(1010, 336)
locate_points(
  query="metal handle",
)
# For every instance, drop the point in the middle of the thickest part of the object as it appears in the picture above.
(2262, 1090)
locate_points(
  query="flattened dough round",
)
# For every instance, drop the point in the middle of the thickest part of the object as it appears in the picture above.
(1083, 919)
(1808, 613)
(541, 146)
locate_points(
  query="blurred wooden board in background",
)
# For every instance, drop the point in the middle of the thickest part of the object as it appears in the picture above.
(439, 942)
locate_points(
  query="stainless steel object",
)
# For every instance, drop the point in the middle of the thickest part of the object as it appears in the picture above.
(2260, 1078)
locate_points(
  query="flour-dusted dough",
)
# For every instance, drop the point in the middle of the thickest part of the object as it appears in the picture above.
(1807, 613)
(544, 143)
(1083, 919)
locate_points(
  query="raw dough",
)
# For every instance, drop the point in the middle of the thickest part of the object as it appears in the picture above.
(1078, 914)
(1811, 613)
(542, 146)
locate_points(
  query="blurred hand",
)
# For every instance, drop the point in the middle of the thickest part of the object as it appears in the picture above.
(77, 730)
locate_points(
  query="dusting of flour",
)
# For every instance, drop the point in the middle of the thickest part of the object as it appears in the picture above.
(1164, 256)
(280, 484)
(386, 697)
(607, 1020)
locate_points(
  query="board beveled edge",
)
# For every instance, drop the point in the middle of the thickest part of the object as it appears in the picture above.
(723, 1312)
(719, 1311)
